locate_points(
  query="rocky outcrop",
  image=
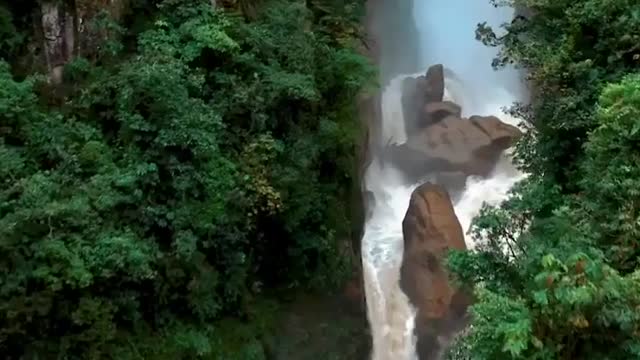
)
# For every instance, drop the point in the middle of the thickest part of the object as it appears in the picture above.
(433, 85)
(471, 146)
(430, 229)
(441, 144)
(58, 32)
(454, 145)
(70, 28)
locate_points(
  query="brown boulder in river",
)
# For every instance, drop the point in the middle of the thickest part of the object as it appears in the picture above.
(470, 146)
(430, 229)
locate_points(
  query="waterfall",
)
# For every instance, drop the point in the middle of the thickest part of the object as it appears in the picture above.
(390, 314)
(445, 35)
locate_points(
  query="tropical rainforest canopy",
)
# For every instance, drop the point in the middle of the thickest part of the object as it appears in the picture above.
(169, 168)
(184, 163)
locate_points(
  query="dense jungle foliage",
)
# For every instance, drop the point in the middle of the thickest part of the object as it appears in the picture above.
(558, 274)
(196, 161)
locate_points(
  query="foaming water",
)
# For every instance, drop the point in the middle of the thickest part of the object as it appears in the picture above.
(390, 314)
(446, 35)
(492, 191)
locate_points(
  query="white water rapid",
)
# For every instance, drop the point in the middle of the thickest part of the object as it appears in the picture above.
(446, 35)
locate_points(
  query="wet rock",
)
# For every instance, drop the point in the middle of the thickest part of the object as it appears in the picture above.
(436, 111)
(471, 146)
(430, 229)
(434, 84)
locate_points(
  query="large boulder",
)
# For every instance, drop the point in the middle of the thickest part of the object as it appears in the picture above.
(470, 146)
(430, 228)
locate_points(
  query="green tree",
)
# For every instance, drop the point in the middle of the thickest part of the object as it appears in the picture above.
(570, 50)
(557, 272)
(564, 283)
(193, 168)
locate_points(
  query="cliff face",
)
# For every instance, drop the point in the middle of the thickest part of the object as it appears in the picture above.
(72, 27)
(391, 27)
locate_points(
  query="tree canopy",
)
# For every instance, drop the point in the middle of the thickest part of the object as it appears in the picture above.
(193, 161)
(568, 284)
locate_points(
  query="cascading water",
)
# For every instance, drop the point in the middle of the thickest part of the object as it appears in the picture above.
(446, 35)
